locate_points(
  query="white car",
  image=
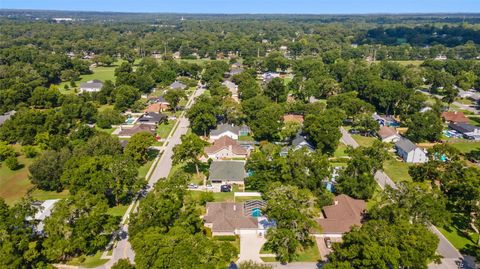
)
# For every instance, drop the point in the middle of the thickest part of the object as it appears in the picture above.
(192, 186)
(209, 187)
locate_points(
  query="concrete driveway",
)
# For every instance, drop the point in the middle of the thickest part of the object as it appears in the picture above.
(250, 246)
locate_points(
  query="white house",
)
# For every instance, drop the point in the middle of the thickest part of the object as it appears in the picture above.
(91, 86)
(409, 152)
(231, 131)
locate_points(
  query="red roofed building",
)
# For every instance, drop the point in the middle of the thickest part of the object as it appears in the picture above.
(339, 218)
(293, 118)
(454, 117)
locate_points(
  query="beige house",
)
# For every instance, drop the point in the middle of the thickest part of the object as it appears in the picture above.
(225, 148)
(388, 134)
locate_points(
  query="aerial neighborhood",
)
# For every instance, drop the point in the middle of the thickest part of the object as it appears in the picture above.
(248, 141)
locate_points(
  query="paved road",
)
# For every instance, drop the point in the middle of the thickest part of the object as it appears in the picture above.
(450, 254)
(123, 249)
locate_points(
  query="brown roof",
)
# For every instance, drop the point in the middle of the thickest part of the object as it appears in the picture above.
(454, 116)
(342, 215)
(225, 142)
(228, 216)
(293, 118)
(137, 129)
(157, 107)
(385, 132)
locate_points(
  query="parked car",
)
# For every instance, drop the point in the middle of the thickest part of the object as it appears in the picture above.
(354, 131)
(192, 186)
(328, 242)
(209, 187)
(225, 188)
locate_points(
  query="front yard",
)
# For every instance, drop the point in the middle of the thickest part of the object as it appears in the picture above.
(309, 254)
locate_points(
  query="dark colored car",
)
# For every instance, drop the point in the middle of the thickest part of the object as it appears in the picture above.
(225, 188)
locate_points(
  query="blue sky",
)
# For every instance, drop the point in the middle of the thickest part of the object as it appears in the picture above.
(252, 6)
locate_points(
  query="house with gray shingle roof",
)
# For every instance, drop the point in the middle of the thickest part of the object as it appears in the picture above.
(227, 218)
(91, 86)
(409, 152)
(227, 172)
(177, 85)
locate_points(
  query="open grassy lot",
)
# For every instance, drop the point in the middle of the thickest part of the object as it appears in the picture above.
(397, 170)
(118, 211)
(143, 170)
(88, 261)
(364, 141)
(15, 184)
(466, 147)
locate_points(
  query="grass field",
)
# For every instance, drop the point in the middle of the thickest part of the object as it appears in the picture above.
(102, 73)
(88, 261)
(397, 170)
(459, 239)
(466, 147)
(309, 254)
(340, 151)
(364, 141)
(117, 211)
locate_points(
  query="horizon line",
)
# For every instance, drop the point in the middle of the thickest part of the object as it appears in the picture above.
(249, 13)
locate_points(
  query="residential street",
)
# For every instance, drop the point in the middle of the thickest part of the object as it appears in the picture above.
(123, 249)
(445, 248)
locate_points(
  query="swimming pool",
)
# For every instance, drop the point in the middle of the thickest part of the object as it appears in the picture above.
(130, 120)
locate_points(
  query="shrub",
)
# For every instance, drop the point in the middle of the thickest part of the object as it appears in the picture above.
(206, 197)
(12, 163)
(29, 151)
(225, 238)
(6, 151)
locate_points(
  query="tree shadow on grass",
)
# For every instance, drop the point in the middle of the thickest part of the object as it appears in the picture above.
(152, 154)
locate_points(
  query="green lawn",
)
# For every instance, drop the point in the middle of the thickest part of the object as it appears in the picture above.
(102, 73)
(164, 129)
(143, 170)
(15, 184)
(246, 138)
(466, 147)
(108, 131)
(117, 211)
(47, 195)
(340, 151)
(364, 141)
(309, 254)
(88, 261)
(397, 170)
(459, 239)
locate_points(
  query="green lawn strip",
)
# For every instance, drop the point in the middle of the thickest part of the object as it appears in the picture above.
(340, 151)
(268, 259)
(246, 138)
(143, 170)
(108, 131)
(455, 234)
(42, 195)
(397, 170)
(117, 211)
(309, 254)
(364, 141)
(164, 129)
(465, 147)
(88, 261)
